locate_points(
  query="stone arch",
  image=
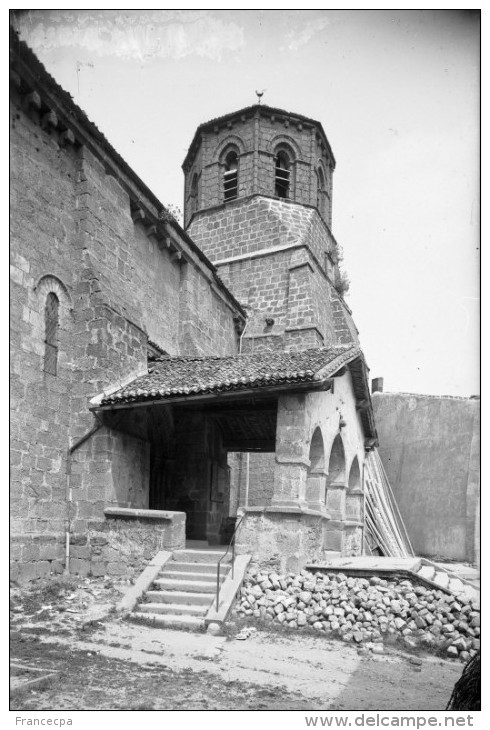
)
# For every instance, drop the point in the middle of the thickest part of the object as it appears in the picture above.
(51, 333)
(321, 189)
(232, 141)
(230, 172)
(354, 481)
(51, 283)
(320, 165)
(315, 478)
(50, 325)
(354, 497)
(317, 450)
(336, 478)
(285, 141)
(336, 462)
(284, 173)
(193, 199)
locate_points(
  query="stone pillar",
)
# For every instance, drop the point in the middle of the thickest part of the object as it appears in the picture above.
(291, 453)
(333, 536)
(316, 482)
(336, 500)
(335, 504)
(354, 505)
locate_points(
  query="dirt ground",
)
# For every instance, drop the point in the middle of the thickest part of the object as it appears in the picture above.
(107, 663)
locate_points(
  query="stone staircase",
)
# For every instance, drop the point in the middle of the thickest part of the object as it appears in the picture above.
(183, 591)
(458, 579)
(443, 577)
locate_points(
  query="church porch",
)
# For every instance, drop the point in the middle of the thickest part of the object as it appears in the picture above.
(305, 421)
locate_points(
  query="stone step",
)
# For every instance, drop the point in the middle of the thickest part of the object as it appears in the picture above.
(456, 586)
(173, 608)
(200, 556)
(177, 566)
(176, 575)
(441, 579)
(472, 593)
(181, 597)
(194, 586)
(426, 571)
(170, 620)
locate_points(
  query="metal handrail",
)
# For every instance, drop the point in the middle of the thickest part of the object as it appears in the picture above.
(218, 567)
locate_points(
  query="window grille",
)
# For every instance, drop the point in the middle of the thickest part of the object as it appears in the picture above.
(283, 175)
(230, 176)
(51, 326)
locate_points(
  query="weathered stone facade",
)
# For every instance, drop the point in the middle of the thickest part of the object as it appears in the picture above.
(316, 499)
(84, 228)
(273, 247)
(105, 285)
(279, 257)
(257, 134)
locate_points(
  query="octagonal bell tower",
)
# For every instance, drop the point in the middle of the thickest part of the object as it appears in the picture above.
(258, 202)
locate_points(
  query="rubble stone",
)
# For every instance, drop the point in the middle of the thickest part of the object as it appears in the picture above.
(364, 611)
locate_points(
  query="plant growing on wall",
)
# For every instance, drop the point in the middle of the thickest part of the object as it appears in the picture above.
(172, 213)
(342, 284)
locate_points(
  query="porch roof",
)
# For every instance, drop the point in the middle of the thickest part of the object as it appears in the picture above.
(176, 377)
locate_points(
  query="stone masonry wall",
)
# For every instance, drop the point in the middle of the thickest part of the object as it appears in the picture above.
(260, 479)
(43, 221)
(110, 469)
(256, 223)
(293, 287)
(311, 508)
(72, 234)
(257, 136)
(206, 324)
(166, 297)
(124, 546)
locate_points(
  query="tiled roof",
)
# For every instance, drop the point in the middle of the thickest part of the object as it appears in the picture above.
(171, 377)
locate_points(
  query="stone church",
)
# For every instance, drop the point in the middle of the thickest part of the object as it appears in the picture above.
(168, 381)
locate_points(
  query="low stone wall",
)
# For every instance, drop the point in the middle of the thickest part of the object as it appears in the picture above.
(364, 611)
(125, 542)
(120, 545)
(287, 538)
(36, 556)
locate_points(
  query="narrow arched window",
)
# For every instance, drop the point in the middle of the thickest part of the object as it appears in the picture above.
(193, 196)
(51, 327)
(321, 190)
(230, 176)
(282, 175)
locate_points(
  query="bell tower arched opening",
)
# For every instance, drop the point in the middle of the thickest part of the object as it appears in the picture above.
(230, 176)
(282, 172)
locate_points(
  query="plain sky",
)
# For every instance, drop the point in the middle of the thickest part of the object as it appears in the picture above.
(397, 92)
